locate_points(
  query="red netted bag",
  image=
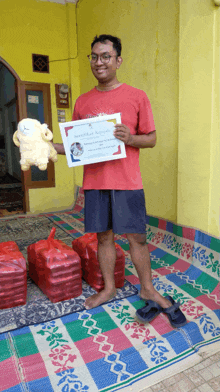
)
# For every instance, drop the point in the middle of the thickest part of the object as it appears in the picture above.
(55, 268)
(86, 247)
(13, 276)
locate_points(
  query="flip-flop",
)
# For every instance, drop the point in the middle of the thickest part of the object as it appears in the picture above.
(149, 311)
(175, 315)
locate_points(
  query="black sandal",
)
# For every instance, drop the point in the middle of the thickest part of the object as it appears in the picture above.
(175, 315)
(151, 310)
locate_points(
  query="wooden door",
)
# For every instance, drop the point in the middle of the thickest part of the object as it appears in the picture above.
(33, 101)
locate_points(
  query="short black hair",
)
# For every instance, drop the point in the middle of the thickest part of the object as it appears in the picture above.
(106, 37)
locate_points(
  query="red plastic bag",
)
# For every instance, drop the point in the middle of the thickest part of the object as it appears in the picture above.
(86, 247)
(55, 268)
(13, 276)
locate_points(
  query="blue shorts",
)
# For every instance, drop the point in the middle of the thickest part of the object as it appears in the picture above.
(120, 211)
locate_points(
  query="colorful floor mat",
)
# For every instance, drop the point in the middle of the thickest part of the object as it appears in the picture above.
(39, 309)
(107, 348)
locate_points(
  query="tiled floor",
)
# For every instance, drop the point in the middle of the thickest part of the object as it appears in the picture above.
(203, 377)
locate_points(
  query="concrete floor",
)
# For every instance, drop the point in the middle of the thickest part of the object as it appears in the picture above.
(203, 377)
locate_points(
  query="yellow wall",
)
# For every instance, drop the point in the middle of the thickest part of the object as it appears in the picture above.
(27, 27)
(149, 33)
(199, 139)
(171, 51)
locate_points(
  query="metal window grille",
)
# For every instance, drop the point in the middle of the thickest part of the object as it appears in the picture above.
(40, 63)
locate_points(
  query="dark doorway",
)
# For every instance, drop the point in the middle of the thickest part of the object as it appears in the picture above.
(11, 193)
(14, 106)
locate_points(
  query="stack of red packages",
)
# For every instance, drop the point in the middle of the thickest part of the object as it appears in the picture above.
(86, 247)
(13, 276)
(55, 268)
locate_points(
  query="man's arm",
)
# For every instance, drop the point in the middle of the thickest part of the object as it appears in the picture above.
(122, 132)
(59, 148)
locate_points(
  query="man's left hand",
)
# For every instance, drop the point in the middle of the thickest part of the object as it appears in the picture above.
(122, 132)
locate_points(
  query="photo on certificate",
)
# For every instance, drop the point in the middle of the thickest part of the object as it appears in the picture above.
(92, 140)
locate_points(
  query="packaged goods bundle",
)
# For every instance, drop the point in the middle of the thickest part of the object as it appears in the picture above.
(13, 276)
(86, 247)
(55, 268)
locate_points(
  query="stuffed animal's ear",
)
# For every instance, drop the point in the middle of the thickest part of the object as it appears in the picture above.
(15, 139)
(46, 133)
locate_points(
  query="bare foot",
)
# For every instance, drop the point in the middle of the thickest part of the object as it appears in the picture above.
(98, 299)
(155, 296)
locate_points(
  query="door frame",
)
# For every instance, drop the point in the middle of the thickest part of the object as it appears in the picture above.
(20, 96)
(11, 70)
(21, 87)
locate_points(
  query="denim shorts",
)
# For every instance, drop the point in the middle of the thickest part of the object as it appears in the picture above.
(117, 210)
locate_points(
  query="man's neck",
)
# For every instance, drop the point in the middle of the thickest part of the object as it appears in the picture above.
(108, 86)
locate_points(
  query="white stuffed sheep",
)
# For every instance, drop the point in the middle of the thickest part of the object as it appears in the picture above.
(33, 138)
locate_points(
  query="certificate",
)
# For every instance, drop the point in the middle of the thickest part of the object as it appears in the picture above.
(92, 140)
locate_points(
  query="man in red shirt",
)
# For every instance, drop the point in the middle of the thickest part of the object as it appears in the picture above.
(114, 196)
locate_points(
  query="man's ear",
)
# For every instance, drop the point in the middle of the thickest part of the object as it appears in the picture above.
(119, 62)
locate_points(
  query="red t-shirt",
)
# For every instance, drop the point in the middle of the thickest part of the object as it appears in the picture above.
(136, 113)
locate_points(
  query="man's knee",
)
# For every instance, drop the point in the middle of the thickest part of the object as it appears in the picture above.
(105, 237)
(136, 238)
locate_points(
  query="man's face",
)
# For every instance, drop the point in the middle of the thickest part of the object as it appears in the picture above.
(105, 72)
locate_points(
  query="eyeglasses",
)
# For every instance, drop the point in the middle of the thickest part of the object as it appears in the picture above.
(105, 58)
